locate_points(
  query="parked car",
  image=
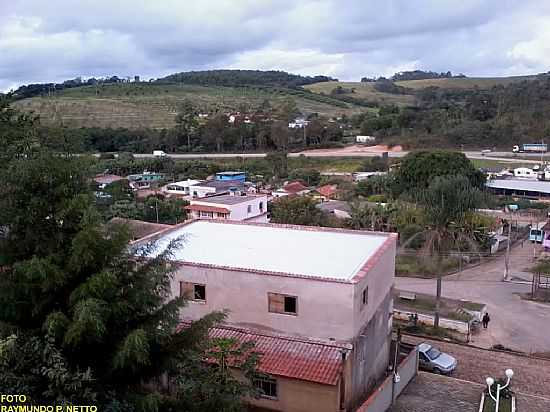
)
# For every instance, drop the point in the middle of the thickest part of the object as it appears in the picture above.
(433, 360)
(159, 153)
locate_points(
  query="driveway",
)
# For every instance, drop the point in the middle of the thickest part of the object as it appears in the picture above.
(515, 323)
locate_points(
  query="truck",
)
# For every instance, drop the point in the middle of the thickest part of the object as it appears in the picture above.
(530, 148)
(159, 153)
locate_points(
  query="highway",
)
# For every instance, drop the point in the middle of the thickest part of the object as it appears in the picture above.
(499, 156)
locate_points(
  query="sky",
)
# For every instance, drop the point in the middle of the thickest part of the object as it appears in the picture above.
(55, 40)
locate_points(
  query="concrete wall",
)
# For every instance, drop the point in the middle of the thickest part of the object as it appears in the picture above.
(324, 308)
(371, 354)
(383, 397)
(301, 396)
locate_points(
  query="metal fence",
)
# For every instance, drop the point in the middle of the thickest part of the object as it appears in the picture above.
(384, 396)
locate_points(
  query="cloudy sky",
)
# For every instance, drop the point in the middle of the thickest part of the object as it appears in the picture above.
(53, 40)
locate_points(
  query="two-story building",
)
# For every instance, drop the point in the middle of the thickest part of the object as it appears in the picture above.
(317, 301)
(252, 208)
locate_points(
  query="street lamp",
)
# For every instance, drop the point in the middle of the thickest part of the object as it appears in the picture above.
(490, 382)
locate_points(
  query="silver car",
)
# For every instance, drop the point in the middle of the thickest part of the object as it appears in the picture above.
(433, 360)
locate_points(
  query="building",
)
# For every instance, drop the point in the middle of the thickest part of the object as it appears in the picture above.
(291, 189)
(239, 176)
(338, 208)
(182, 188)
(232, 207)
(217, 187)
(358, 177)
(533, 189)
(294, 285)
(365, 139)
(525, 172)
(143, 180)
(103, 180)
(299, 123)
(326, 192)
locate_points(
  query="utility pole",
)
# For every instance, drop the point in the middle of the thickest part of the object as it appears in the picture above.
(507, 257)
(437, 300)
(157, 208)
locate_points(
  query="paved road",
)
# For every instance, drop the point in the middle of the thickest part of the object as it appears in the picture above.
(500, 156)
(515, 323)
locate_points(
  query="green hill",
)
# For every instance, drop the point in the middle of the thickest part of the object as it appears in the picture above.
(154, 105)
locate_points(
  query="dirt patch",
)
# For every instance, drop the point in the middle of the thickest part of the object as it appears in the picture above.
(354, 150)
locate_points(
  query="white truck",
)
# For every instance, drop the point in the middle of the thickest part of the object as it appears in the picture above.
(159, 153)
(530, 148)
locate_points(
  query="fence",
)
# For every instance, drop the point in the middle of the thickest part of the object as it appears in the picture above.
(384, 396)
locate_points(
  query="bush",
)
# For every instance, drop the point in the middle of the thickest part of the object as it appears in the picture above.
(377, 198)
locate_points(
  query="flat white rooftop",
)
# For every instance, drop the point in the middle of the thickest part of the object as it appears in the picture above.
(320, 253)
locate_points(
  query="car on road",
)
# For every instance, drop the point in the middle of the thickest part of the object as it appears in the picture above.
(433, 360)
(485, 151)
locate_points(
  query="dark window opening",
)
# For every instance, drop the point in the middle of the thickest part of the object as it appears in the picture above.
(290, 304)
(199, 292)
(365, 298)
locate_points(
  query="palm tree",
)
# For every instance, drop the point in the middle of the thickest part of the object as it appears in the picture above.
(446, 202)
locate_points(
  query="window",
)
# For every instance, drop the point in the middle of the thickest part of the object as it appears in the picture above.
(249, 209)
(207, 214)
(261, 206)
(285, 304)
(193, 291)
(365, 297)
(268, 387)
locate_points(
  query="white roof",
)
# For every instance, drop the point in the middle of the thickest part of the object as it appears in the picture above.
(525, 185)
(185, 183)
(304, 252)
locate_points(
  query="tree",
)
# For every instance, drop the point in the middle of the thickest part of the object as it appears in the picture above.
(446, 202)
(80, 317)
(312, 177)
(419, 169)
(279, 163)
(186, 122)
(280, 135)
(299, 210)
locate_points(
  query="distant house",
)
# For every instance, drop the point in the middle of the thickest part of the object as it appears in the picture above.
(292, 189)
(143, 180)
(358, 177)
(104, 180)
(230, 207)
(223, 176)
(364, 139)
(338, 208)
(299, 123)
(216, 187)
(181, 188)
(326, 192)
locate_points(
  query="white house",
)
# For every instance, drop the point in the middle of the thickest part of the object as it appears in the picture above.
(367, 175)
(181, 188)
(298, 124)
(364, 139)
(216, 187)
(231, 207)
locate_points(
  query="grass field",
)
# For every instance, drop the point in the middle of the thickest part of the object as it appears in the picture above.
(463, 83)
(363, 91)
(146, 105)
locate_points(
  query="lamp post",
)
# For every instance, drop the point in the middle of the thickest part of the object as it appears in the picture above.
(490, 382)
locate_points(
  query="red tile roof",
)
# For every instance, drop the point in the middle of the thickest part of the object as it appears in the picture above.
(294, 187)
(328, 190)
(204, 208)
(289, 357)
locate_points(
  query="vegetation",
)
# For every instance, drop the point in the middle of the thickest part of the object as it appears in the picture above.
(81, 320)
(243, 78)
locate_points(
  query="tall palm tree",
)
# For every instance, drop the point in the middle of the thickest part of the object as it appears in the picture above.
(446, 202)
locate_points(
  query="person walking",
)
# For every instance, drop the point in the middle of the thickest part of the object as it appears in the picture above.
(485, 321)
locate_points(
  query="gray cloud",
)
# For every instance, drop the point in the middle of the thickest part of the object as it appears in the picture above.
(59, 39)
